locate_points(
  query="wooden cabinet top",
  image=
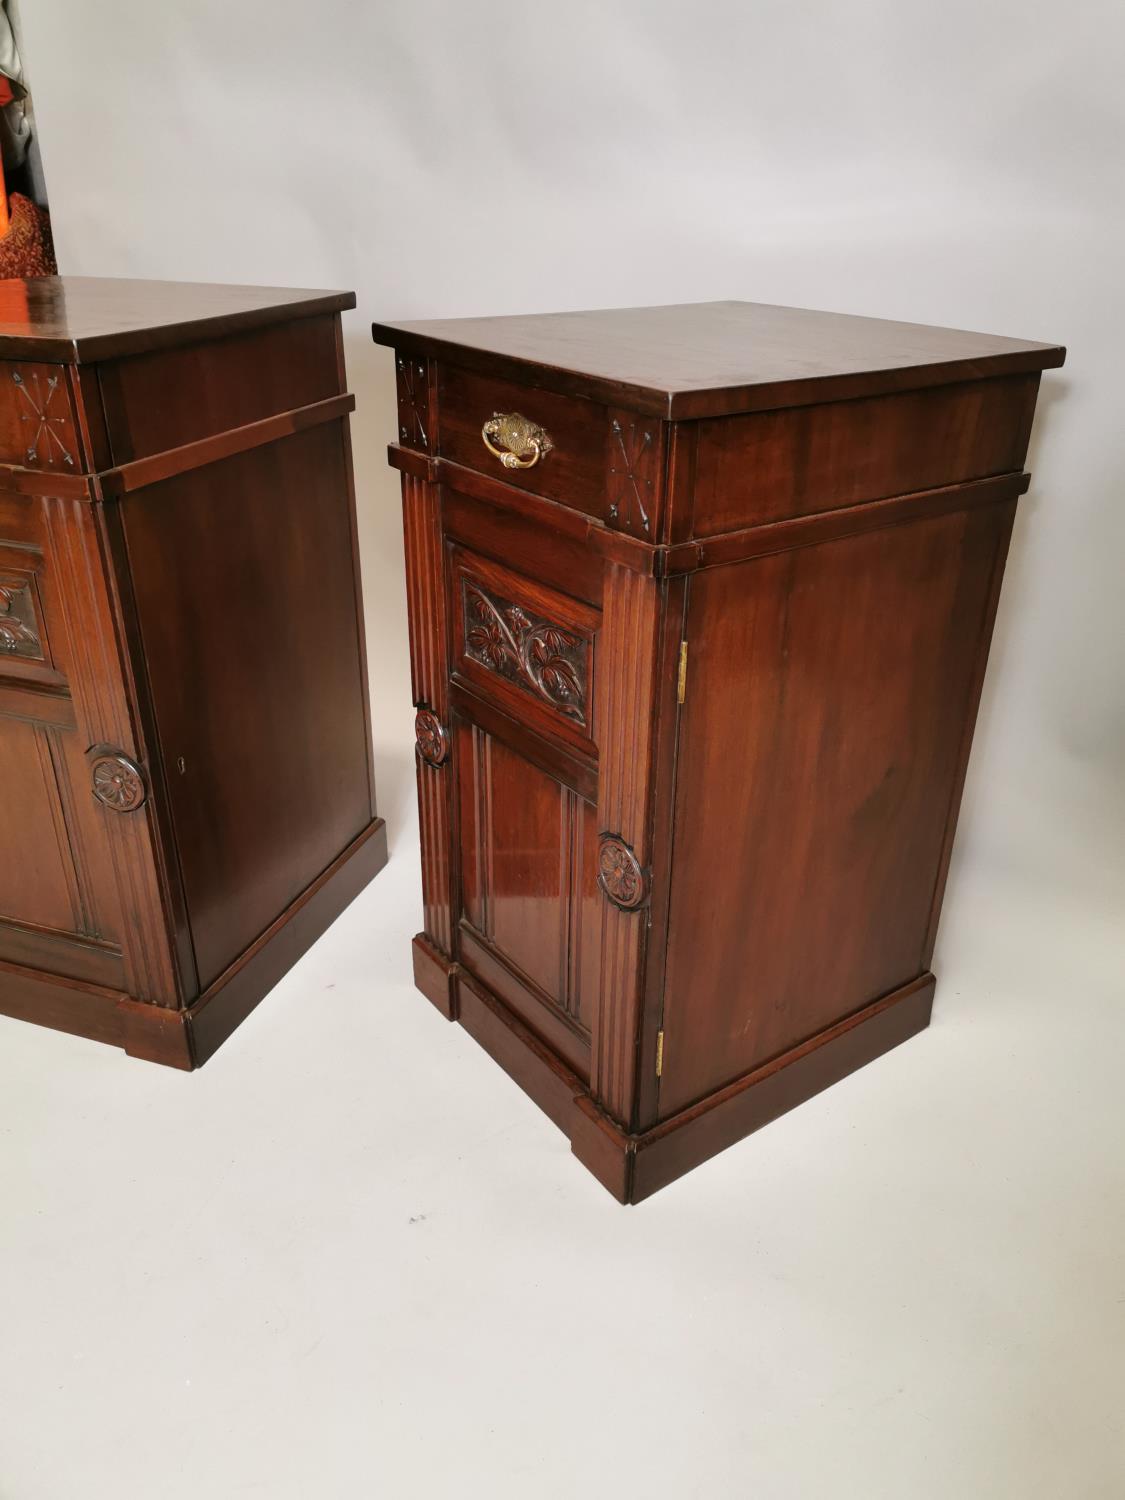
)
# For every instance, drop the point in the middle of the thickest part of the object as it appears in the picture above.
(80, 319)
(709, 359)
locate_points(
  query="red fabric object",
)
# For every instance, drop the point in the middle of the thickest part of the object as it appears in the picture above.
(27, 249)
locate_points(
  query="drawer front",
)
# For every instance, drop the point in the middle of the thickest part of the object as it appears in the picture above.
(37, 426)
(572, 469)
(524, 647)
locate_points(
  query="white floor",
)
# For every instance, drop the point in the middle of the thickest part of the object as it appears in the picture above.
(349, 1258)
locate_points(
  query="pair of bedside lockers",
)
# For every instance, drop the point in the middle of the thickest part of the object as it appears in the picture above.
(700, 599)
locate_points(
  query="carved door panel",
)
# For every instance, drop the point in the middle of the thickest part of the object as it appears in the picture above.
(531, 924)
(57, 900)
(523, 679)
(527, 647)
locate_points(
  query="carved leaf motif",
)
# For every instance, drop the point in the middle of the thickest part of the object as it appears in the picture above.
(551, 666)
(487, 640)
(533, 652)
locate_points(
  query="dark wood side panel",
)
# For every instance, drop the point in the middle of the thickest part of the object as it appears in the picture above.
(769, 466)
(826, 698)
(245, 601)
(236, 992)
(169, 397)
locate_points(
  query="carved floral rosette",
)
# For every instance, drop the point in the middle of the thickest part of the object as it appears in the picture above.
(620, 874)
(433, 744)
(117, 782)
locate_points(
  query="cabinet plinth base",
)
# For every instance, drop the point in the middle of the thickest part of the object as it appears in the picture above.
(633, 1167)
(187, 1038)
(433, 976)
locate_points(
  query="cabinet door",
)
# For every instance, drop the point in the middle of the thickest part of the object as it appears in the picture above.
(823, 737)
(530, 899)
(58, 910)
(523, 682)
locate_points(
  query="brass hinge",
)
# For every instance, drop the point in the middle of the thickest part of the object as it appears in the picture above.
(681, 681)
(659, 1053)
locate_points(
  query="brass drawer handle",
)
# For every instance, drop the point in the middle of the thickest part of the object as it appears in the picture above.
(523, 443)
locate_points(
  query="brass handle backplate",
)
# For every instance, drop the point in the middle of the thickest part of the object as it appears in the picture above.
(522, 443)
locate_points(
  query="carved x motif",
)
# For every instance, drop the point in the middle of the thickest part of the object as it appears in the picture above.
(39, 411)
(413, 402)
(631, 461)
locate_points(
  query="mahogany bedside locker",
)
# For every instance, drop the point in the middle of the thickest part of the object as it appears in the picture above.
(700, 601)
(184, 743)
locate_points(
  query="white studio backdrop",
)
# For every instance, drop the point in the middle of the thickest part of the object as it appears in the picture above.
(366, 1265)
(957, 162)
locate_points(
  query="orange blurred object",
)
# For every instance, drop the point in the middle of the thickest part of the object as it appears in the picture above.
(28, 248)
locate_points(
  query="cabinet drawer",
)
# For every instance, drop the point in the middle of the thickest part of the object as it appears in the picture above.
(571, 470)
(524, 647)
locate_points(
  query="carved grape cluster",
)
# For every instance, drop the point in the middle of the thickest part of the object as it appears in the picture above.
(16, 636)
(504, 637)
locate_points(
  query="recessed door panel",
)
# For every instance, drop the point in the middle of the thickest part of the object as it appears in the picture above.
(58, 901)
(529, 889)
